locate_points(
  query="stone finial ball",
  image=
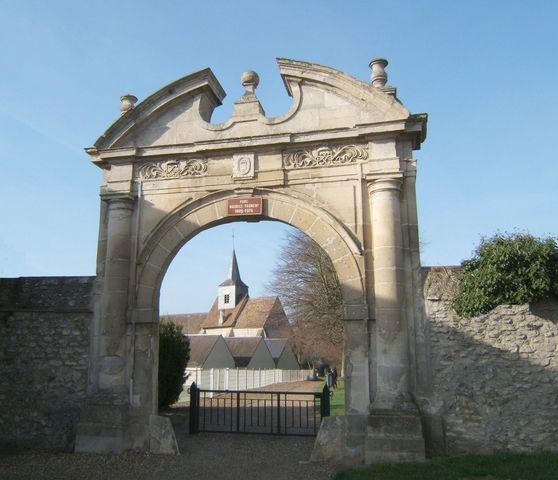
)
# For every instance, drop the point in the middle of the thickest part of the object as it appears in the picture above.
(250, 78)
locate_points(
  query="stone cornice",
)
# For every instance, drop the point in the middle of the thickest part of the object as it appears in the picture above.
(360, 134)
(416, 124)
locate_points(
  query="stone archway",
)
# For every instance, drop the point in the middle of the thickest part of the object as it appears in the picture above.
(338, 166)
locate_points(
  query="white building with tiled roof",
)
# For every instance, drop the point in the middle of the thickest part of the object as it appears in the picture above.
(249, 321)
(209, 351)
(282, 354)
(250, 352)
(235, 314)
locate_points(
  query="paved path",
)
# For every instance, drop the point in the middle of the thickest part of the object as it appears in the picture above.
(302, 386)
(253, 456)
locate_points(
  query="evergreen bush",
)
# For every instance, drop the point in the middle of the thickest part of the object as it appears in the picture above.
(174, 353)
(507, 269)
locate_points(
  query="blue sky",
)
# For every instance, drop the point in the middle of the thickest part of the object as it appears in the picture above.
(484, 71)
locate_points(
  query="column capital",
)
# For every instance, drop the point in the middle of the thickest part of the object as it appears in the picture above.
(384, 184)
(118, 199)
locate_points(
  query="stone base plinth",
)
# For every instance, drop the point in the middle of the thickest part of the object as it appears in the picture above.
(112, 426)
(382, 436)
(161, 436)
(393, 436)
(101, 429)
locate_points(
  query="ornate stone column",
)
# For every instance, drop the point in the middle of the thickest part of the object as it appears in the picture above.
(114, 301)
(392, 351)
(105, 417)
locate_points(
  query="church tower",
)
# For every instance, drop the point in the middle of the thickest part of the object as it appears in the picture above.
(233, 288)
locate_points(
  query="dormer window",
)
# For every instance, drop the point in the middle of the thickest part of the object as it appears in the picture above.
(227, 298)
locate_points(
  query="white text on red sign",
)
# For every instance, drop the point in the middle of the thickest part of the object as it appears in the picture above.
(245, 206)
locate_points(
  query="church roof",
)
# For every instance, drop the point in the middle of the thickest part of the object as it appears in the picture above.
(234, 274)
(256, 312)
(229, 315)
(263, 312)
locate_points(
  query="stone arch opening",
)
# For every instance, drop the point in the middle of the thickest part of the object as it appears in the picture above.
(338, 166)
(191, 219)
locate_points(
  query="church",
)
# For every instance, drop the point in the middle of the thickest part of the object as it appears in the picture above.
(256, 331)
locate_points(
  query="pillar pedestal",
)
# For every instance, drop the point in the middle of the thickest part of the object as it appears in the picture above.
(394, 436)
(383, 436)
(108, 424)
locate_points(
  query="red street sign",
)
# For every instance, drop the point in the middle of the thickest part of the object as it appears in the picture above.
(245, 206)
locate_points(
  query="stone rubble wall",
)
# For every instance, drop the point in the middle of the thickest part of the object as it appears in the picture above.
(495, 376)
(44, 348)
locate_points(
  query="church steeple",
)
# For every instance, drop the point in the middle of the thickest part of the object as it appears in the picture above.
(233, 288)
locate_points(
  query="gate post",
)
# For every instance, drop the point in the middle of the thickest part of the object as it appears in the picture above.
(324, 402)
(194, 408)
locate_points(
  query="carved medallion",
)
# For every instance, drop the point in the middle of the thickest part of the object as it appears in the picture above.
(172, 169)
(324, 156)
(243, 165)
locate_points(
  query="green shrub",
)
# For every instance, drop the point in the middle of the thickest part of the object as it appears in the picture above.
(174, 353)
(507, 269)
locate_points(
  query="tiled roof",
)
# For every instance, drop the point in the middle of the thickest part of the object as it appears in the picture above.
(256, 313)
(190, 322)
(276, 346)
(229, 315)
(263, 312)
(276, 323)
(200, 348)
(242, 348)
(250, 313)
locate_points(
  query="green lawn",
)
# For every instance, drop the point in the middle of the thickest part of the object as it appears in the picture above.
(337, 403)
(543, 466)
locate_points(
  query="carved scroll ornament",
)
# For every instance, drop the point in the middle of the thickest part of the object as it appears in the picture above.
(324, 156)
(172, 169)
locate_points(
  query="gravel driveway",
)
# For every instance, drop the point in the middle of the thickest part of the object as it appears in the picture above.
(204, 456)
(212, 456)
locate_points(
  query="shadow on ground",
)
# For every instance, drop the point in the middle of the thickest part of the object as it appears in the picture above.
(211, 456)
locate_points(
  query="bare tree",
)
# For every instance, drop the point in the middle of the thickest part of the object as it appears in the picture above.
(305, 280)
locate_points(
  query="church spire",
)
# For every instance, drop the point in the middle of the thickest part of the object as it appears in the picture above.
(234, 273)
(233, 288)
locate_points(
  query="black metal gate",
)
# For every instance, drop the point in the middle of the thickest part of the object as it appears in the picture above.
(261, 412)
